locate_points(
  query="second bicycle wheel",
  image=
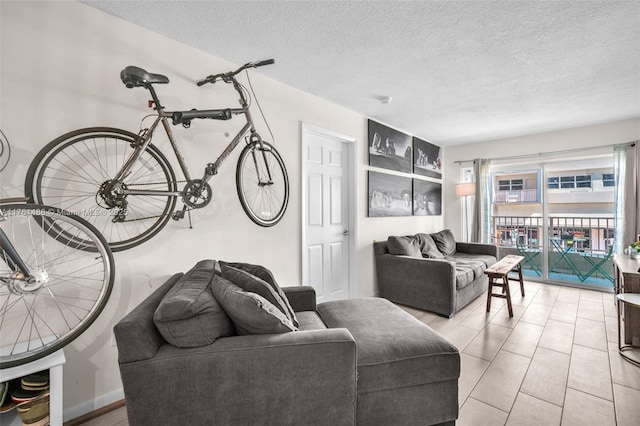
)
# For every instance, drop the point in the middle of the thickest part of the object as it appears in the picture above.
(71, 274)
(70, 171)
(262, 183)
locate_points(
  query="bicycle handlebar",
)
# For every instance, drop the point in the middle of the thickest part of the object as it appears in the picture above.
(227, 76)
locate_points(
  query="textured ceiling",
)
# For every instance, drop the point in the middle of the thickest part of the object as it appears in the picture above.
(458, 71)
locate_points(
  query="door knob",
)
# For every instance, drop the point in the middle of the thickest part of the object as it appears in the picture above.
(345, 232)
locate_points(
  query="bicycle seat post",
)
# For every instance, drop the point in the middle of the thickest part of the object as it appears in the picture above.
(156, 101)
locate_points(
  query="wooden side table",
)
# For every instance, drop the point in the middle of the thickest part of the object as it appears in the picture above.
(626, 299)
(500, 270)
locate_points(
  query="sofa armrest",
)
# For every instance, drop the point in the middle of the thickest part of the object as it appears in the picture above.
(477, 248)
(301, 298)
(284, 378)
(429, 284)
(136, 334)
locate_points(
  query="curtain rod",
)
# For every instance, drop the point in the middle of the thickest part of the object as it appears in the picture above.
(542, 154)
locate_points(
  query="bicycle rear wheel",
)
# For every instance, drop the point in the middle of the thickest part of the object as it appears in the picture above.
(263, 192)
(72, 273)
(70, 171)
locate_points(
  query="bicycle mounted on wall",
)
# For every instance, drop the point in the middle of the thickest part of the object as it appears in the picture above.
(133, 183)
(56, 275)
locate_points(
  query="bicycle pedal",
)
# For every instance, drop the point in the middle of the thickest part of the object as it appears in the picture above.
(177, 215)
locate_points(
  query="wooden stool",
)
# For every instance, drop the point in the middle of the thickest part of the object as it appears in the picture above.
(501, 270)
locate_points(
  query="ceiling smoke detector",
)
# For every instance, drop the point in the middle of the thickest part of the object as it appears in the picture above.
(385, 100)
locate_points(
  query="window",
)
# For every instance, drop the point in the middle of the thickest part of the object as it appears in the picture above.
(511, 185)
(583, 181)
(569, 182)
(608, 179)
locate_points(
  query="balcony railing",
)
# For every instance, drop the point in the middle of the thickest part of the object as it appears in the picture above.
(579, 248)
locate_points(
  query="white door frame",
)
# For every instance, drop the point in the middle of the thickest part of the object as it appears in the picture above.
(308, 129)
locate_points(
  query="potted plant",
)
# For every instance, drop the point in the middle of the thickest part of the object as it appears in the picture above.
(634, 250)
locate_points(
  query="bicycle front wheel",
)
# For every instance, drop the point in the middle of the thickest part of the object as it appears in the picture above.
(262, 183)
(73, 171)
(69, 279)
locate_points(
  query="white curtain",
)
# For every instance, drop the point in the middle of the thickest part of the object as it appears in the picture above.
(481, 218)
(626, 162)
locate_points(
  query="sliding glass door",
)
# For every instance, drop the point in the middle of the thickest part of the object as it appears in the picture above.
(559, 217)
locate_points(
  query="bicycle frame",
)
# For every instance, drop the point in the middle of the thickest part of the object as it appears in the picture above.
(212, 168)
(12, 258)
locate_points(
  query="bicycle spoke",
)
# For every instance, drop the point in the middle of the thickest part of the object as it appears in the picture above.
(68, 288)
(75, 168)
(262, 184)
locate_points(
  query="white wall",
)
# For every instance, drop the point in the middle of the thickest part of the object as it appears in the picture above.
(583, 137)
(60, 65)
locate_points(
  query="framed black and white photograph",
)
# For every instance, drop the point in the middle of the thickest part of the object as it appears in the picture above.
(426, 159)
(389, 148)
(389, 195)
(427, 198)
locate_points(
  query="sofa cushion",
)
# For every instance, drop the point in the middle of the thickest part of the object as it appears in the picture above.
(470, 267)
(310, 320)
(486, 259)
(404, 246)
(428, 247)
(464, 276)
(252, 283)
(189, 315)
(445, 241)
(250, 312)
(395, 350)
(266, 275)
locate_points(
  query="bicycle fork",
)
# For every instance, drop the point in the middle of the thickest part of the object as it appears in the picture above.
(11, 256)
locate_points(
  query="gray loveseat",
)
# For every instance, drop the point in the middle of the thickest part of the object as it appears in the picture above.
(360, 361)
(432, 272)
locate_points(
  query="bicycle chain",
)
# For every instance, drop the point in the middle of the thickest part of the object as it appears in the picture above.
(145, 184)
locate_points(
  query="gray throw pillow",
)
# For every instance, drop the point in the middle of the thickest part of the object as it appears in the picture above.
(188, 315)
(404, 246)
(250, 312)
(428, 247)
(445, 241)
(249, 282)
(265, 275)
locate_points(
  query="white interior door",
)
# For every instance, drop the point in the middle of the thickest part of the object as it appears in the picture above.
(327, 233)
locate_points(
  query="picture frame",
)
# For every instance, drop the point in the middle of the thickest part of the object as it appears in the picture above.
(389, 195)
(427, 198)
(389, 148)
(427, 159)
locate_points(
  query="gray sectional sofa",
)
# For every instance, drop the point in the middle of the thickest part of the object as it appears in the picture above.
(183, 360)
(432, 272)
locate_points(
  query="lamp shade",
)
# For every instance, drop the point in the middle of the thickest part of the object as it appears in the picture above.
(464, 189)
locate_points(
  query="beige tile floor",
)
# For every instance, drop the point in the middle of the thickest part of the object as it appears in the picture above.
(554, 363)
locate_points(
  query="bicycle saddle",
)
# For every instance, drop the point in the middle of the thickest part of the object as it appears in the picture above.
(137, 77)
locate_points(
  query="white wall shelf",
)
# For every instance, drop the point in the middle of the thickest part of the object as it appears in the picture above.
(53, 363)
